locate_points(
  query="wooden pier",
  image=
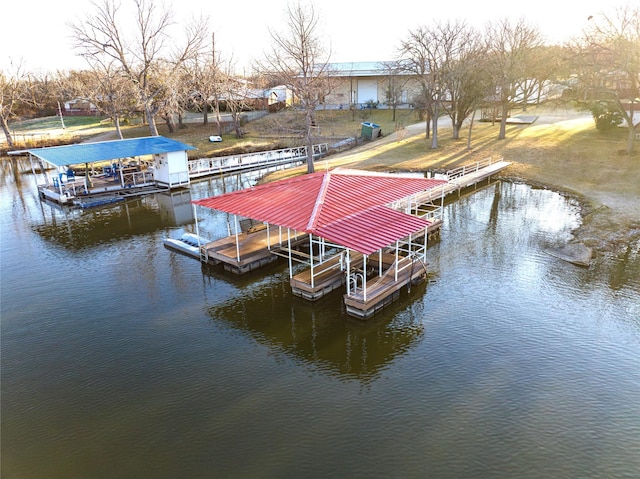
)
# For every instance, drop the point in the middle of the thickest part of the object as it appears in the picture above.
(264, 159)
(327, 276)
(376, 293)
(463, 177)
(248, 250)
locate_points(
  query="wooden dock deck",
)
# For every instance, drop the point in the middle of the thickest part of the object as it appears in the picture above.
(327, 276)
(383, 290)
(249, 251)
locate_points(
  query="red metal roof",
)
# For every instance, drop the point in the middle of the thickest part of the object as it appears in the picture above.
(346, 207)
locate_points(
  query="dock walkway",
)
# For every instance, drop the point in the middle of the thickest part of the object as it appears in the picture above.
(463, 177)
(264, 159)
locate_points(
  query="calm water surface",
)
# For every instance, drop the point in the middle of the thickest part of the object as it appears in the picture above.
(123, 359)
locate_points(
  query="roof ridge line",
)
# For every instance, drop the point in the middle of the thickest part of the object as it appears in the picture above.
(319, 201)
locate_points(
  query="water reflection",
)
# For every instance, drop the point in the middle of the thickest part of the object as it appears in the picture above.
(77, 229)
(511, 363)
(320, 334)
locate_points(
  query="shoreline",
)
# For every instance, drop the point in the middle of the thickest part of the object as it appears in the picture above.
(605, 183)
(597, 230)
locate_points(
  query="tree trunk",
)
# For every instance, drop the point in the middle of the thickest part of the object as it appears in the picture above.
(218, 123)
(169, 121)
(428, 126)
(503, 121)
(473, 115)
(458, 127)
(151, 121)
(237, 125)
(116, 122)
(434, 139)
(181, 123)
(7, 133)
(309, 141)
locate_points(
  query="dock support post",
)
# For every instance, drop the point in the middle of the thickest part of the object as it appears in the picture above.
(289, 248)
(195, 216)
(237, 227)
(268, 237)
(311, 257)
(424, 251)
(364, 278)
(348, 263)
(396, 265)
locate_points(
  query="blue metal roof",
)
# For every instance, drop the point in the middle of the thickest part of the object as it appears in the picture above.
(108, 150)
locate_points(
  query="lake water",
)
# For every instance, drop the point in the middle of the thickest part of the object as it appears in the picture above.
(123, 359)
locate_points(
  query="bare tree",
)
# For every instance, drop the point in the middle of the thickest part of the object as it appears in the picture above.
(416, 58)
(463, 72)
(236, 96)
(396, 83)
(430, 55)
(146, 57)
(548, 66)
(610, 48)
(510, 48)
(105, 86)
(13, 92)
(208, 78)
(300, 60)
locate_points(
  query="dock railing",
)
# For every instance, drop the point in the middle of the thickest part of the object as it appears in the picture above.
(263, 159)
(422, 205)
(137, 178)
(470, 168)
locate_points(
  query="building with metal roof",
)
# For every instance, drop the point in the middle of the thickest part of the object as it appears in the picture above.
(346, 207)
(368, 84)
(356, 222)
(124, 165)
(81, 153)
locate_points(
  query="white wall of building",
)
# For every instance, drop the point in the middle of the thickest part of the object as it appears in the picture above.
(171, 169)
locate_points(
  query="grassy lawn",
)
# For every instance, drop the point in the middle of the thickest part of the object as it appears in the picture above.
(271, 132)
(50, 131)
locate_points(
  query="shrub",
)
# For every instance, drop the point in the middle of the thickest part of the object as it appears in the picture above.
(605, 116)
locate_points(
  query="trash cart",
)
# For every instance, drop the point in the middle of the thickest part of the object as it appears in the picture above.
(370, 130)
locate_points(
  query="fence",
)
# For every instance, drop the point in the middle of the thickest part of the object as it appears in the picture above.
(228, 164)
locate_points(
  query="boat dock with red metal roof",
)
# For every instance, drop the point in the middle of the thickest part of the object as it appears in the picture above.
(358, 225)
(363, 230)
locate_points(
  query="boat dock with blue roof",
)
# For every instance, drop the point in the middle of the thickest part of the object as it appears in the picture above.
(90, 174)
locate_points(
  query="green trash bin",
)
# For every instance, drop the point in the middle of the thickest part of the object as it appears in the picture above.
(370, 130)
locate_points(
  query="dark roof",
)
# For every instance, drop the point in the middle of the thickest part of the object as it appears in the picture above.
(107, 150)
(346, 207)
